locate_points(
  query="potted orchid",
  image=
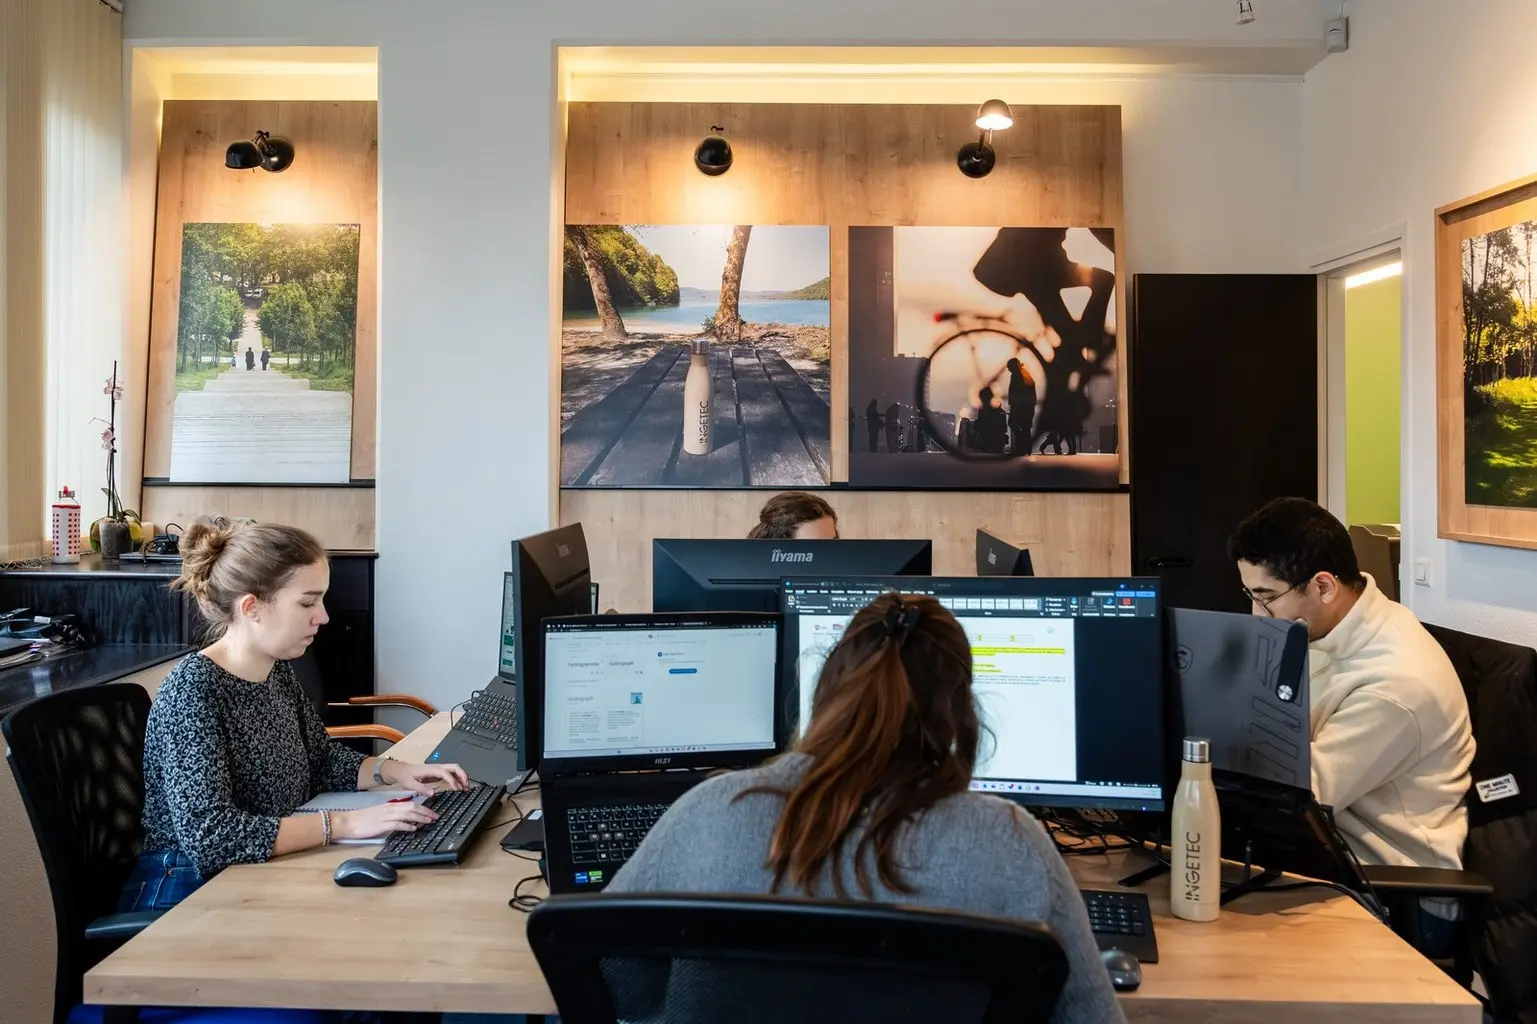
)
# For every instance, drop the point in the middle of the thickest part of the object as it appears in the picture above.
(113, 534)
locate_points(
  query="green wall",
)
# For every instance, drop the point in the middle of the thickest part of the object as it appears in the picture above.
(1372, 380)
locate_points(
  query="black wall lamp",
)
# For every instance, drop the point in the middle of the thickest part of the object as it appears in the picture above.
(269, 152)
(976, 159)
(713, 155)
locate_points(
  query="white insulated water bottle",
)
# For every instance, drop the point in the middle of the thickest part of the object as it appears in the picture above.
(698, 397)
(66, 528)
(1195, 846)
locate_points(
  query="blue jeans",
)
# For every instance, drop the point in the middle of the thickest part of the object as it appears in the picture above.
(159, 881)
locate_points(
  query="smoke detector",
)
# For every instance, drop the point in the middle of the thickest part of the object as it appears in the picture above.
(1245, 12)
(1337, 35)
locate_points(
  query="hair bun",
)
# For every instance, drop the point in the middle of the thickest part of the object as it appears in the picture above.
(201, 547)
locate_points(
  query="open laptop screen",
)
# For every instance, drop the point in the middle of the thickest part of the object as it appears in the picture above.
(660, 691)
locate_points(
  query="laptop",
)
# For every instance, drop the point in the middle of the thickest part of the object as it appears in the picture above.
(638, 710)
(484, 737)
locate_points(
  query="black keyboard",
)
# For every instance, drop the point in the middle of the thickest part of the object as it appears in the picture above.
(460, 815)
(608, 835)
(1122, 920)
(492, 715)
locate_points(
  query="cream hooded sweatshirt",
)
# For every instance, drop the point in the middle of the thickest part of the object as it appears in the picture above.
(1392, 743)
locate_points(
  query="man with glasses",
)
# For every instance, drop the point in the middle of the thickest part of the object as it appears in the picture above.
(1391, 740)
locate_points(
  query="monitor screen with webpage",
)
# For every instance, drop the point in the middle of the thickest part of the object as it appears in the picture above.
(663, 691)
(1068, 676)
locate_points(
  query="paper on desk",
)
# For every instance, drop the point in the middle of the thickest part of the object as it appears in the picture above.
(357, 801)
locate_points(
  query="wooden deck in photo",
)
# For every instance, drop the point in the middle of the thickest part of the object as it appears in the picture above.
(769, 428)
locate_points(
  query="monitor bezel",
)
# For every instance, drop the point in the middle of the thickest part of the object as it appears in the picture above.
(746, 758)
(790, 664)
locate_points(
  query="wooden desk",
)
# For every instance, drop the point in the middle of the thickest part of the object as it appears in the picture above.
(444, 939)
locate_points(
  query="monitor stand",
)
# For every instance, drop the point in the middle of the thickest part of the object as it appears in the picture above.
(1283, 829)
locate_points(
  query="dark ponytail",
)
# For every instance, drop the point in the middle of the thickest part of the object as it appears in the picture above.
(894, 730)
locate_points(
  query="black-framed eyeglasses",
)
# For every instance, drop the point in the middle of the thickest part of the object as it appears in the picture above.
(1264, 603)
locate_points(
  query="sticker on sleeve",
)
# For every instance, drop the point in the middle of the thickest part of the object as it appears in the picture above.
(1490, 790)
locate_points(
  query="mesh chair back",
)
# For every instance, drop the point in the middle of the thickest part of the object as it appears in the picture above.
(78, 760)
(754, 960)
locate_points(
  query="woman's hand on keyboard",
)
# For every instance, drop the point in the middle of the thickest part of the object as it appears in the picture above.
(381, 819)
(424, 778)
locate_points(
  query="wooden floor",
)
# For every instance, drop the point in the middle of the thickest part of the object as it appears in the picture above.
(769, 428)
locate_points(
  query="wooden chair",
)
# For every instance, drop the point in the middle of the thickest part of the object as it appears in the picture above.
(373, 730)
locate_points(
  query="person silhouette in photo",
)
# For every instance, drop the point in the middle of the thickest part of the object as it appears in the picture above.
(250, 359)
(992, 428)
(1032, 262)
(873, 423)
(266, 357)
(893, 427)
(1021, 407)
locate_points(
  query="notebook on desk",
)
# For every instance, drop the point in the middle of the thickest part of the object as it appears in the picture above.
(356, 801)
(638, 708)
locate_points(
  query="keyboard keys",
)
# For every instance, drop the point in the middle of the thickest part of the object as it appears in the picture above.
(610, 834)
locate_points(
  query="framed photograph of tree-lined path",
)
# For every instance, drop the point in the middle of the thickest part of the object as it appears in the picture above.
(695, 356)
(1486, 366)
(266, 337)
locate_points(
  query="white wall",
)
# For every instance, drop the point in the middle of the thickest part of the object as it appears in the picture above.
(466, 91)
(1432, 102)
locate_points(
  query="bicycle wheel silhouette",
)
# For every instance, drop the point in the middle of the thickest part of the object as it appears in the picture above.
(964, 393)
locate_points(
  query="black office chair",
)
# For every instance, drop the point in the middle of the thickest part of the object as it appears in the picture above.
(77, 757)
(689, 959)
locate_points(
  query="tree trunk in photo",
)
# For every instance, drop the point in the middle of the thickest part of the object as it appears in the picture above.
(728, 316)
(608, 315)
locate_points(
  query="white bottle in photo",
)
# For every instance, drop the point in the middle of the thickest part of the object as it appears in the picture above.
(1195, 846)
(698, 398)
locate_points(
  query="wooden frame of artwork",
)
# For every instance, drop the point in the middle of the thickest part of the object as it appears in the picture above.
(1486, 381)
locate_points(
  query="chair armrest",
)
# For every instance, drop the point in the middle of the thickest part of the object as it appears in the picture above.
(366, 732)
(121, 927)
(1427, 881)
(399, 700)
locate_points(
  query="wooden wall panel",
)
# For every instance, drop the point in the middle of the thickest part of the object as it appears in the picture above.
(334, 180)
(842, 165)
(341, 517)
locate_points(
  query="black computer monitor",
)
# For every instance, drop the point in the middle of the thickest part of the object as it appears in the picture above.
(997, 557)
(550, 577)
(744, 575)
(1068, 675)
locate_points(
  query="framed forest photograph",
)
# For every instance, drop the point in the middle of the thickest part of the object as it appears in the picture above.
(1486, 366)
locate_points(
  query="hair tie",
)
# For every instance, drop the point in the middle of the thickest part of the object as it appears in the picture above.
(900, 620)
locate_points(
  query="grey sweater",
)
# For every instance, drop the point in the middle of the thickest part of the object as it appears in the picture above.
(969, 852)
(226, 758)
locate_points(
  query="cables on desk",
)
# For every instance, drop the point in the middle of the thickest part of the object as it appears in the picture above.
(521, 901)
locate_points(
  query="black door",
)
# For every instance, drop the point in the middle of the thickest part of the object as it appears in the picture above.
(1224, 417)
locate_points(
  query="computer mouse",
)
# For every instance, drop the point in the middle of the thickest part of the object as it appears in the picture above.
(365, 871)
(1125, 970)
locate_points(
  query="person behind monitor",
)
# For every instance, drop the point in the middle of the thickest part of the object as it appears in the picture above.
(873, 803)
(233, 745)
(1391, 739)
(795, 515)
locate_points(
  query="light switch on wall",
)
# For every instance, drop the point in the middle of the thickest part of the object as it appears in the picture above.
(1422, 572)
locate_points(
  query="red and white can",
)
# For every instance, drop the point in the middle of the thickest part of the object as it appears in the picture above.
(66, 528)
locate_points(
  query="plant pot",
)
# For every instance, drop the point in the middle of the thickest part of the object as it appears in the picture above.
(115, 539)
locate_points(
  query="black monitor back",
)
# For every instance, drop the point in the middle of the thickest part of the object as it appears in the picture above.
(997, 557)
(550, 577)
(744, 575)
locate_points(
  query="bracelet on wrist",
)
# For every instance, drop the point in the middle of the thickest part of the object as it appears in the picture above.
(379, 779)
(325, 828)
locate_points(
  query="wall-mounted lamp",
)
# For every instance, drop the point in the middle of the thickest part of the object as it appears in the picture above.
(269, 152)
(976, 159)
(713, 155)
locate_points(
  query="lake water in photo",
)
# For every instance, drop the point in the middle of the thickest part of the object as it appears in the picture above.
(686, 318)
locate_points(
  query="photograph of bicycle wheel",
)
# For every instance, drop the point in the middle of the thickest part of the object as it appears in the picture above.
(982, 358)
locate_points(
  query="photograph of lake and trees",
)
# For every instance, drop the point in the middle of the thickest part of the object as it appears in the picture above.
(1499, 367)
(695, 356)
(266, 337)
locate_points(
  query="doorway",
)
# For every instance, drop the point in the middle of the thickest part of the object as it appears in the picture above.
(1363, 408)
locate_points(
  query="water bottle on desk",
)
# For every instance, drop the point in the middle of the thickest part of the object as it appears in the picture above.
(66, 528)
(1195, 846)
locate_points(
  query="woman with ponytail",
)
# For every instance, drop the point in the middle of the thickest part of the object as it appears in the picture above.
(873, 803)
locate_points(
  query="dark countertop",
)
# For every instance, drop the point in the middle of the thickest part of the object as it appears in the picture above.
(81, 668)
(90, 565)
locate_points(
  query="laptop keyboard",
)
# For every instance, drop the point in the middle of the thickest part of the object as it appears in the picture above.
(492, 715)
(610, 834)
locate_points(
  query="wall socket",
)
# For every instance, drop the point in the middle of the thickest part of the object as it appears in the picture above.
(1422, 572)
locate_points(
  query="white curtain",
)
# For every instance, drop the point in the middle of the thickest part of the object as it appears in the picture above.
(61, 250)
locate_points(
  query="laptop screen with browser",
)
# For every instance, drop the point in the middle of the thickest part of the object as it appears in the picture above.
(660, 691)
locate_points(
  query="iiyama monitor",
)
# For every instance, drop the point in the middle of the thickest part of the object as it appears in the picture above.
(744, 575)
